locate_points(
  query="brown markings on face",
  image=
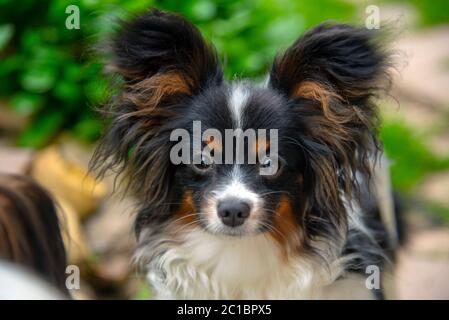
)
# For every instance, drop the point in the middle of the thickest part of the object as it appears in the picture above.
(214, 143)
(185, 215)
(288, 233)
(300, 179)
(261, 146)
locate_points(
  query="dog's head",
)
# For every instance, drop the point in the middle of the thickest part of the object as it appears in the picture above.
(316, 108)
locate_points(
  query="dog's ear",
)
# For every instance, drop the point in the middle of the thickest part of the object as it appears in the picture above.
(332, 61)
(161, 54)
(164, 62)
(332, 73)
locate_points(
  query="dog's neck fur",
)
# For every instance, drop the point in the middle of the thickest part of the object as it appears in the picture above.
(194, 264)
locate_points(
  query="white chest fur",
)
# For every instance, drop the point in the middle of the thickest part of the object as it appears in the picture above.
(205, 266)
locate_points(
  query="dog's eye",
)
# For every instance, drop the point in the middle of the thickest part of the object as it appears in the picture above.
(270, 167)
(266, 163)
(202, 164)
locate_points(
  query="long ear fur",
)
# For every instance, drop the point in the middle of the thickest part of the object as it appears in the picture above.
(332, 73)
(165, 50)
(164, 62)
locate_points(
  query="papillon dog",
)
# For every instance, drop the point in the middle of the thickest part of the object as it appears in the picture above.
(208, 229)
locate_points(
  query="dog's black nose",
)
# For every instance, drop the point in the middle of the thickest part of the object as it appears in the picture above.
(233, 212)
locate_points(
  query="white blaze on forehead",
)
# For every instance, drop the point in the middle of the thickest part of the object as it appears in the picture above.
(236, 188)
(237, 101)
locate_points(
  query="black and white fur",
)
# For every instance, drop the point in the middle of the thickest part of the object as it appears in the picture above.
(307, 236)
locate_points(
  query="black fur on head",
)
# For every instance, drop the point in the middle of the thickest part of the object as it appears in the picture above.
(164, 62)
(320, 97)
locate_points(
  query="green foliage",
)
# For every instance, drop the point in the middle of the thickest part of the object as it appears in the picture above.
(248, 33)
(48, 72)
(411, 159)
(431, 12)
(45, 68)
(144, 292)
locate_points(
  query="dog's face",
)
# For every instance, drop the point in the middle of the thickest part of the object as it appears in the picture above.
(317, 99)
(238, 198)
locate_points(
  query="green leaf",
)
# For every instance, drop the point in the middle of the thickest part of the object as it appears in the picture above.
(38, 80)
(88, 129)
(204, 9)
(67, 91)
(411, 159)
(41, 130)
(6, 33)
(26, 103)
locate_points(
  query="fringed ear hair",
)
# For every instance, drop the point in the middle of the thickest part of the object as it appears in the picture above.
(161, 54)
(332, 73)
(163, 61)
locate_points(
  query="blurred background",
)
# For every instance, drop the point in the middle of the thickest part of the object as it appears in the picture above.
(51, 81)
